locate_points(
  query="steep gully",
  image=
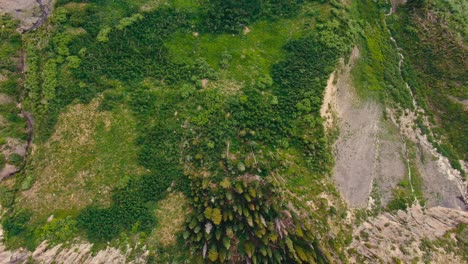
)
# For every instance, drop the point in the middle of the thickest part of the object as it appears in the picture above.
(402, 58)
(442, 162)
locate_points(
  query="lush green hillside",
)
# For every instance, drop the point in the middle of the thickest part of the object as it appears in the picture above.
(192, 128)
(214, 102)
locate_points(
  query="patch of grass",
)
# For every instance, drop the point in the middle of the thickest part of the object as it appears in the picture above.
(166, 239)
(89, 154)
(242, 57)
(171, 213)
(58, 230)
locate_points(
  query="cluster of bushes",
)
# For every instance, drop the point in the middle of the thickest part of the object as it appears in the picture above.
(143, 54)
(17, 228)
(299, 85)
(128, 210)
(257, 112)
(15, 224)
(20, 231)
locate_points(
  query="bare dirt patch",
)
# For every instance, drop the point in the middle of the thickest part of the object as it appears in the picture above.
(372, 149)
(5, 99)
(171, 214)
(11, 147)
(7, 171)
(27, 11)
(227, 87)
(442, 184)
(327, 111)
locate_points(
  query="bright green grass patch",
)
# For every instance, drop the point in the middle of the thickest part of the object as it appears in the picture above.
(186, 5)
(243, 57)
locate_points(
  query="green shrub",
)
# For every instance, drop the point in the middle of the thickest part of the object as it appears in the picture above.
(231, 15)
(15, 223)
(59, 230)
(16, 160)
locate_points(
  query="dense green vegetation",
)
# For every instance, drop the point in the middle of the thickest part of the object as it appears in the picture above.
(246, 220)
(221, 101)
(214, 101)
(436, 69)
(376, 73)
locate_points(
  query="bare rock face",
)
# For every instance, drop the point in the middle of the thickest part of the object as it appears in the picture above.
(371, 149)
(365, 152)
(29, 12)
(76, 253)
(388, 237)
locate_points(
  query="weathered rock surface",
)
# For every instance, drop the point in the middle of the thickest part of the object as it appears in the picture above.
(29, 12)
(371, 149)
(386, 236)
(365, 151)
(77, 253)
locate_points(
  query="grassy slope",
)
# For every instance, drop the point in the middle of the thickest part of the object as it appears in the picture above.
(151, 128)
(89, 154)
(248, 55)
